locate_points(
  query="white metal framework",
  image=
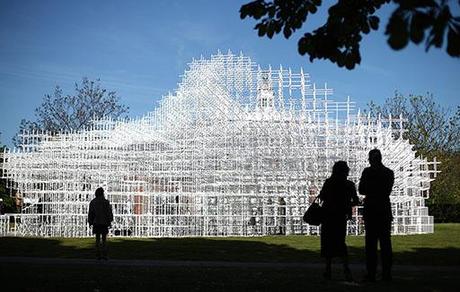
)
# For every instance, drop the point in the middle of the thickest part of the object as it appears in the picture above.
(235, 150)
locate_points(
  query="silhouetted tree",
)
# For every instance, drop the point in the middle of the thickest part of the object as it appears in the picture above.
(349, 20)
(59, 112)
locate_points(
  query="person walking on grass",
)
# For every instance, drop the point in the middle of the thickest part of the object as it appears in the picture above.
(376, 184)
(100, 216)
(338, 196)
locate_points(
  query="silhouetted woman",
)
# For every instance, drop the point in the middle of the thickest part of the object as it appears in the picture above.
(100, 217)
(338, 195)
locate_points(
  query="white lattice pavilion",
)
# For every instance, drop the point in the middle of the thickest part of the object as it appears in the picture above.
(236, 150)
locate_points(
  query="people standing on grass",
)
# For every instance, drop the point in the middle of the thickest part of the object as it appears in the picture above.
(376, 184)
(100, 216)
(338, 196)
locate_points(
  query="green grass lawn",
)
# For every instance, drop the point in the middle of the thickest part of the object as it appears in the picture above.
(439, 249)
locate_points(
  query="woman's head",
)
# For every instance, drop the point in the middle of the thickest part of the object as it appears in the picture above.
(340, 169)
(99, 192)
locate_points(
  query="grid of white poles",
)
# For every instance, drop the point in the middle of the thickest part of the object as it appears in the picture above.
(236, 150)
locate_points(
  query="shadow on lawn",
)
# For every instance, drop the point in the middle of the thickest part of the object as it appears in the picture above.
(36, 277)
(204, 249)
(208, 249)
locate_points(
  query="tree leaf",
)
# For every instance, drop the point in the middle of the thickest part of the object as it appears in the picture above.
(270, 31)
(316, 2)
(261, 29)
(417, 28)
(287, 32)
(397, 31)
(303, 44)
(437, 32)
(255, 9)
(374, 22)
(453, 43)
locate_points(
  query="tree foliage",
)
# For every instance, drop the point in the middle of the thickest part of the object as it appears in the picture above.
(338, 40)
(8, 202)
(60, 112)
(435, 132)
(431, 128)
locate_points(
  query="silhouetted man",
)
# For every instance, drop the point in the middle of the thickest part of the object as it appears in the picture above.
(100, 216)
(375, 184)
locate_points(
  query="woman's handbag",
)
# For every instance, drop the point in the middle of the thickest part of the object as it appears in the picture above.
(314, 214)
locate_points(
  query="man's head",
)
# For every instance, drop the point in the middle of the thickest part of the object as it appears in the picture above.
(99, 192)
(375, 157)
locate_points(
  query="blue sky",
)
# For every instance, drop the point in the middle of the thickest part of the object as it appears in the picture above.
(139, 49)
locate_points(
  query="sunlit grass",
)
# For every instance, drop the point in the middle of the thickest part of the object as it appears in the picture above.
(439, 248)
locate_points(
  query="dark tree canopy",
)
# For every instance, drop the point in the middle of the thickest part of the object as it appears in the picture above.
(338, 40)
(60, 112)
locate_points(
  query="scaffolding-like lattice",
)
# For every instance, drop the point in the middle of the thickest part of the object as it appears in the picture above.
(235, 150)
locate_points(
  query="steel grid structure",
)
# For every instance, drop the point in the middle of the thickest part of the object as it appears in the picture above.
(235, 151)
